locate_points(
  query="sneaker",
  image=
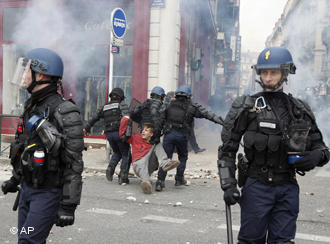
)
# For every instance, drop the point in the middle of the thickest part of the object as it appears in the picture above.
(160, 184)
(172, 164)
(146, 187)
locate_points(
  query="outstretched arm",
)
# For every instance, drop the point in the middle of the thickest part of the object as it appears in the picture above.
(201, 112)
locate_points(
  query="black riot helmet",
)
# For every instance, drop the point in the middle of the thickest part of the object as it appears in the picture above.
(117, 94)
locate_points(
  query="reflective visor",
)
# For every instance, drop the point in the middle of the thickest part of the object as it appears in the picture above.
(22, 67)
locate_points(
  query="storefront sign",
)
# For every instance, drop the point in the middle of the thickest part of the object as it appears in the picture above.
(118, 23)
(220, 71)
(238, 49)
(158, 3)
(94, 26)
(233, 47)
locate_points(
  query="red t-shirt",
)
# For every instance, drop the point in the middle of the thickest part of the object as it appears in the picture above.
(140, 147)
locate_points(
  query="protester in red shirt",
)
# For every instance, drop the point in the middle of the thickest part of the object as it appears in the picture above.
(146, 157)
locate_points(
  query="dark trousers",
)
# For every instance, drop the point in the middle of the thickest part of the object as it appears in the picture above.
(192, 140)
(171, 141)
(268, 210)
(37, 212)
(120, 150)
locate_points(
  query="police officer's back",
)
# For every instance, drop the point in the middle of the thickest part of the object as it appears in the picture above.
(149, 110)
(281, 138)
(112, 112)
(47, 153)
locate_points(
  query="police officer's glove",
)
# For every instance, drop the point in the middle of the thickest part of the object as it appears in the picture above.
(65, 215)
(309, 160)
(10, 185)
(219, 120)
(231, 196)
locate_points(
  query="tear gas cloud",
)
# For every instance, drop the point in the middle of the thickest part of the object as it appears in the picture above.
(305, 26)
(79, 31)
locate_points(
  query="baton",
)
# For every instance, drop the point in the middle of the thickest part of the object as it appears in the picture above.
(15, 206)
(229, 223)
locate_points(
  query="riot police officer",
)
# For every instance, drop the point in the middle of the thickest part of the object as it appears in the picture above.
(112, 112)
(148, 111)
(47, 153)
(178, 118)
(281, 138)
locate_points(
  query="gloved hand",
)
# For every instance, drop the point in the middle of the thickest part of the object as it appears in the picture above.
(221, 120)
(65, 215)
(231, 196)
(309, 161)
(10, 185)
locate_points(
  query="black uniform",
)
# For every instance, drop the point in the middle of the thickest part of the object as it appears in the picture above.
(147, 112)
(277, 125)
(178, 118)
(49, 171)
(112, 112)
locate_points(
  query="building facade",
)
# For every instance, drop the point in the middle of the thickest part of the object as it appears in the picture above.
(168, 43)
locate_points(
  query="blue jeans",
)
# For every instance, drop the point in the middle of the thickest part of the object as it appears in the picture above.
(120, 150)
(36, 213)
(268, 209)
(171, 141)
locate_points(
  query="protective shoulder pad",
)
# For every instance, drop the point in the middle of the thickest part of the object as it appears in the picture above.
(196, 105)
(300, 104)
(244, 102)
(67, 114)
(239, 105)
(67, 107)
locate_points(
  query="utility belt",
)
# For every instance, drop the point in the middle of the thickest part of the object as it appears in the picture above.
(271, 176)
(39, 168)
(265, 173)
(183, 128)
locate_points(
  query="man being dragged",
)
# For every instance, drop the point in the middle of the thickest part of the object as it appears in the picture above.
(147, 156)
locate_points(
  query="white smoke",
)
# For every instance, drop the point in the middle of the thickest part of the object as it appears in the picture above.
(302, 37)
(79, 31)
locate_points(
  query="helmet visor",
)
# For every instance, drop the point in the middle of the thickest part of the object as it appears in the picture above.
(22, 68)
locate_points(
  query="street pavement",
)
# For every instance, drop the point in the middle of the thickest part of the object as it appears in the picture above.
(112, 213)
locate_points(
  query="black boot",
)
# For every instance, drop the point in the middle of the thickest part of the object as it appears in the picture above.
(110, 171)
(123, 177)
(180, 180)
(160, 184)
(199, 150)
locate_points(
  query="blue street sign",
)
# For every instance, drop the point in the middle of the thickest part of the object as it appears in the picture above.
(119, 22)
(115, 49)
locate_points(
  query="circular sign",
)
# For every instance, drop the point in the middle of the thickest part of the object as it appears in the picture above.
(119, 23)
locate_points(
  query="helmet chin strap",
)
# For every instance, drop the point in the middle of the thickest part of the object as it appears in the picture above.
(272, 88)
(34, 83)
